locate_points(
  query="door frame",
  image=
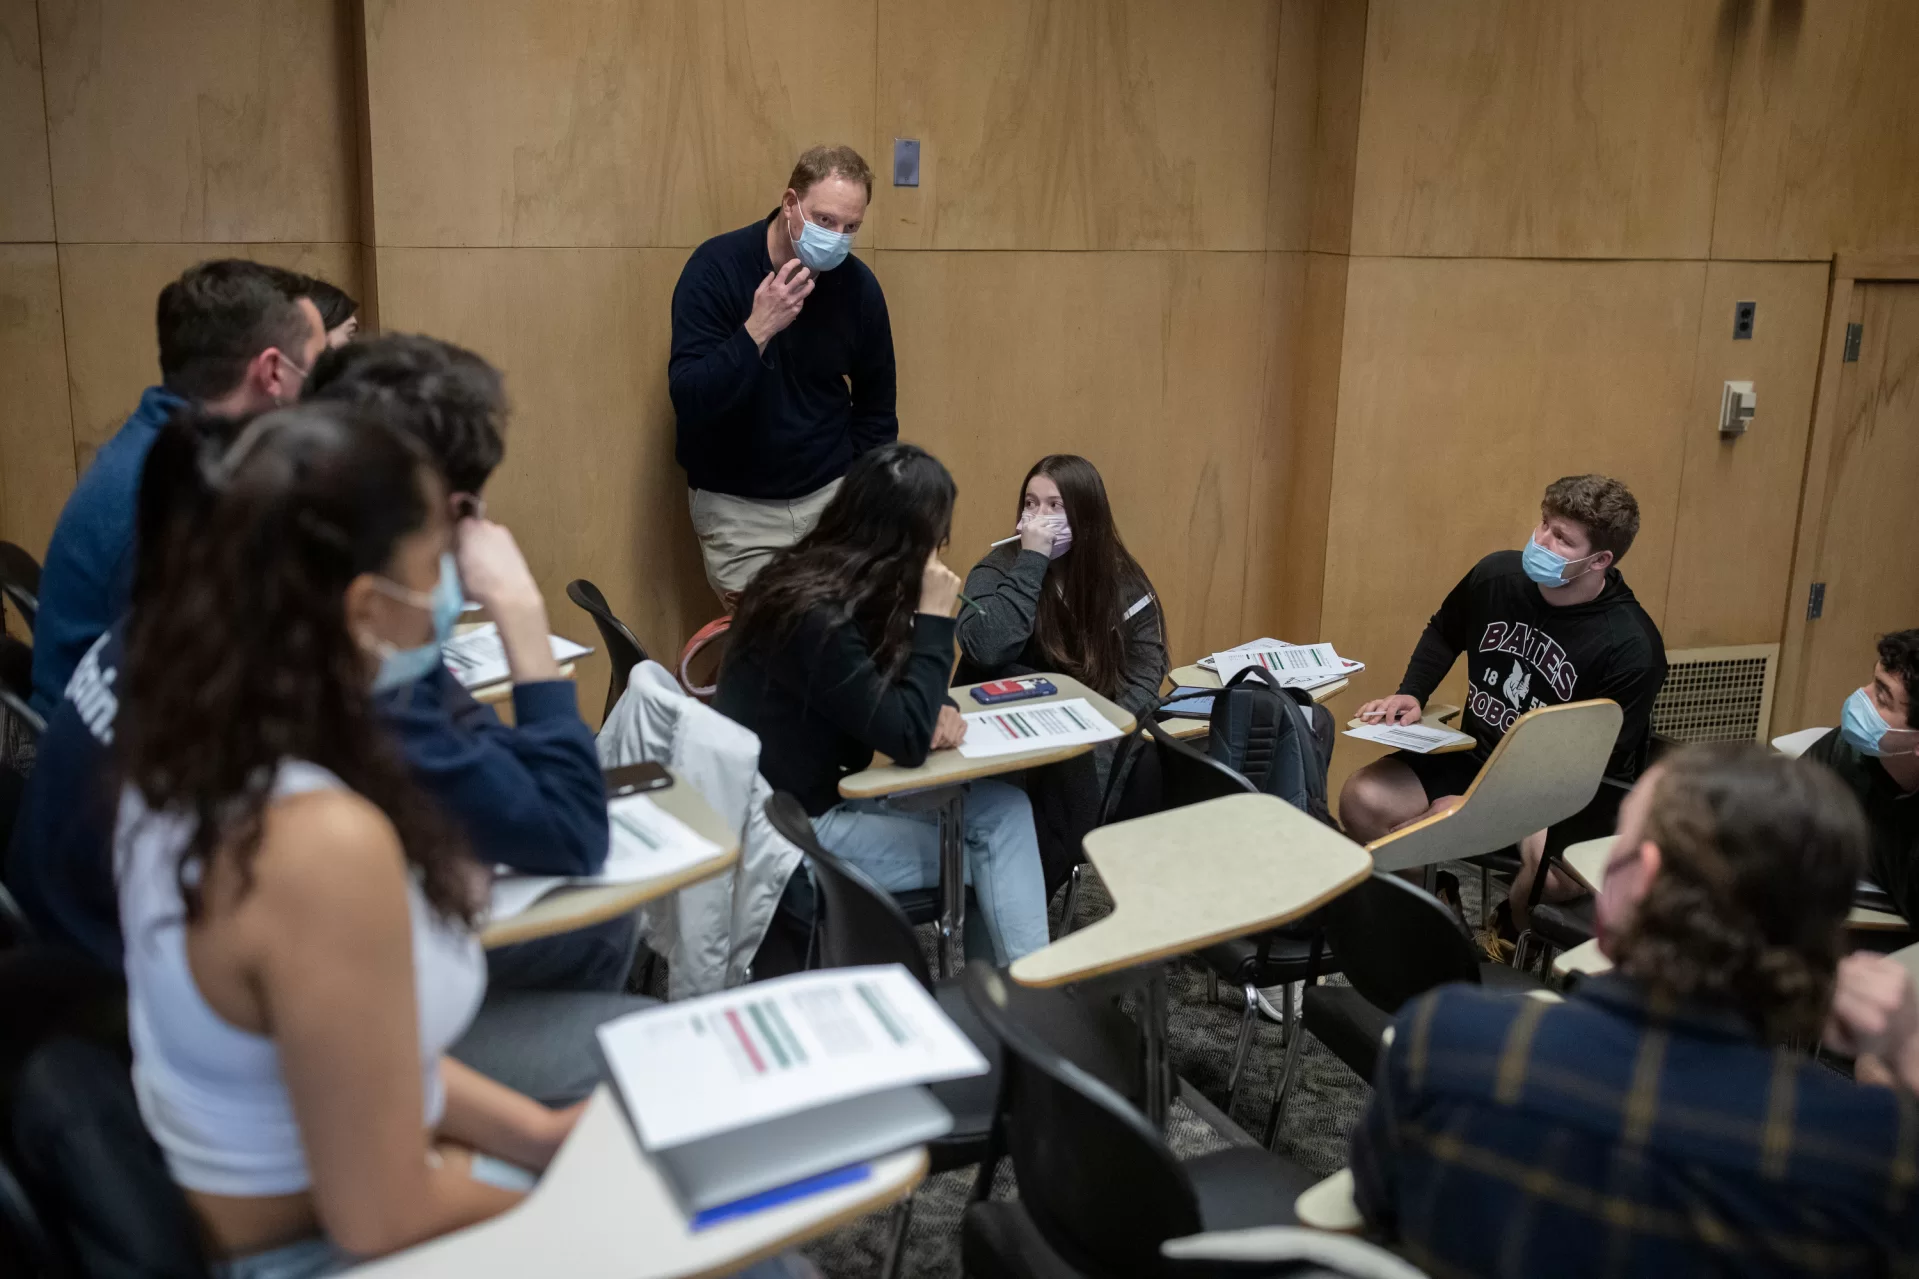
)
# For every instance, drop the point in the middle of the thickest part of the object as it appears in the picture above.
(1849, 271)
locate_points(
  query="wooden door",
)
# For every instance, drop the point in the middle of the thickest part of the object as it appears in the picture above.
(1864, 525)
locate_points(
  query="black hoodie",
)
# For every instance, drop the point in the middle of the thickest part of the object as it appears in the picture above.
(1522, 653)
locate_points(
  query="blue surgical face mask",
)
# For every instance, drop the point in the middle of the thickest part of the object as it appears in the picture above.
(402, 666)
(1548, 568)
(820, 249)
(1864, 728)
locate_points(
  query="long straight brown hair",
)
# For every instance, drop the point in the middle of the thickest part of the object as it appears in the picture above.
(1081, 603)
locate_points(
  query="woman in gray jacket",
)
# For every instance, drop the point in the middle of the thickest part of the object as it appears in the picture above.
(1066, 596)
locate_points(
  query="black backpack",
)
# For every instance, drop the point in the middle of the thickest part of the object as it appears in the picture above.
(1276, 738)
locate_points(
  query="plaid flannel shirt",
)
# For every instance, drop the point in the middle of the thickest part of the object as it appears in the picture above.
(1611, 1135)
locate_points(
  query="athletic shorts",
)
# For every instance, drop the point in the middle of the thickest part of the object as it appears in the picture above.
(1448, 774)
(1453, 774)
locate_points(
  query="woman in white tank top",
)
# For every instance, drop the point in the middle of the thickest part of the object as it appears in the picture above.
(298, 920)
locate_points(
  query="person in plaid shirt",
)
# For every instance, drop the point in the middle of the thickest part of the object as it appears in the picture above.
(1665, 1119)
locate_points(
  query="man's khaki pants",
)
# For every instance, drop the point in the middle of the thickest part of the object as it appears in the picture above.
(739, 534)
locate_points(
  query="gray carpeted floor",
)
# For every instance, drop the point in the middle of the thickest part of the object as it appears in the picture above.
(1326, 1102)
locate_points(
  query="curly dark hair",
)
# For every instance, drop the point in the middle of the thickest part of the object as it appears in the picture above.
(1899, 654)
(241, 658)
(1759, 856)
(452, 400)
(1601, 505)
(863, 561)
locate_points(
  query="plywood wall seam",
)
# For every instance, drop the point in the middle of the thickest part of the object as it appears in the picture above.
(1692, 378)
(46, 130)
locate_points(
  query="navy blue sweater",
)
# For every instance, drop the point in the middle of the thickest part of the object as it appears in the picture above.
(89, 566)
(790, 420)
(530, 797)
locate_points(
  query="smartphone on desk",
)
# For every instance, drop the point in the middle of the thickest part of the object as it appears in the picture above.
(1013, 690)
(1188, 702)
(636, 779)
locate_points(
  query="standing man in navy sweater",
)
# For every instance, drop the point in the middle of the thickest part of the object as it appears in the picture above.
(236, 338)
(782, 368)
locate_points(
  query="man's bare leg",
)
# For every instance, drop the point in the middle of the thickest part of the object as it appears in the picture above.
(1379, 798)
(1560, 887)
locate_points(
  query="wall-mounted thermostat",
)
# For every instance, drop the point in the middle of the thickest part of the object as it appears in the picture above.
(1737, 404)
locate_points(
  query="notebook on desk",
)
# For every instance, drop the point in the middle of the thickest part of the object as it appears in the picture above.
(477, 657)
(770, 1085)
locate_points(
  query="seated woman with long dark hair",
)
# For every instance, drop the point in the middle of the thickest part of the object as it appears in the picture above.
(841, 647)
(298, 919)
(1068, 597)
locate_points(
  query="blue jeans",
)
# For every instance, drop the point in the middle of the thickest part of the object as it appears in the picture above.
(314, 1258)
(307, 1259)
(597, 957)
(901, 851)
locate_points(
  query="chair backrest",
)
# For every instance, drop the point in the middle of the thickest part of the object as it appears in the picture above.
(1796, 744)
(622, 649)
(1547, 767)
(1395, 940)
(1094, 1176)
(858, 922)
(20, 580)
(1154, 771)
(87, 1156)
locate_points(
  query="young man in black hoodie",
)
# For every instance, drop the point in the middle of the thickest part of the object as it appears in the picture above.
(1554, 623)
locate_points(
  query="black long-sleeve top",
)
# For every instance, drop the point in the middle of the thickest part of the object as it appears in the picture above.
(1522, 653)
(997, 641)
(821, 706)
(787, 421)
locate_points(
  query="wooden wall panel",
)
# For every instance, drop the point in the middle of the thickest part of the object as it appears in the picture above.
(1147, 363)
(589, 485)
(605, 123)
(26, 191)
(1322, 60)
(1078, 124)
(1859, 517)
(1269, 500)
(36, 439)
(109, 292)
(1313, 425)
(1467, 387)
(1541, 128)
(1822, 134)
(1296, 88)
(1739, 497)
(217, 121)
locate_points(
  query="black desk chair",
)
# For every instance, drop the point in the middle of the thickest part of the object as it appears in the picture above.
(857, 922)
(1099, 1190)
(20, 581)
(1167, 773)
(1395, 941)
(111, 1206)
(1557, 926)
(85, 1191)
(622, 648)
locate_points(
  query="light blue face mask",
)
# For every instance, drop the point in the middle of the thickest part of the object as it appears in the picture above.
(820, 249)
(1548, 568)
(1865, 729)
(402, 666)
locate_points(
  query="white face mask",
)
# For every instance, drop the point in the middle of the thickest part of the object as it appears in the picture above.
(1062, 534)
(818, 248)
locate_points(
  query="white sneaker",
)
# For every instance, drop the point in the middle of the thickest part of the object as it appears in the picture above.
(1272, 1001)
